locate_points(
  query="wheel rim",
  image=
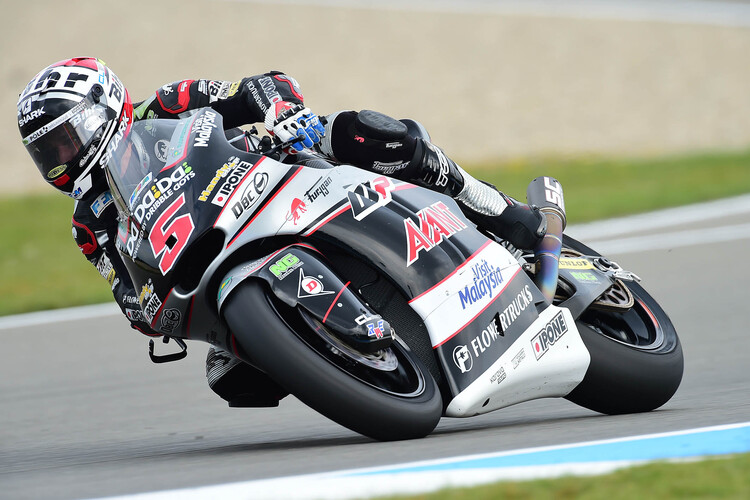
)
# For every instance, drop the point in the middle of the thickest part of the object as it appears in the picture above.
(390, 370)
(637, 327)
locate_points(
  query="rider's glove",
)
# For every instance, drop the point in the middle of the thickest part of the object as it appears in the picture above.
(287, 121)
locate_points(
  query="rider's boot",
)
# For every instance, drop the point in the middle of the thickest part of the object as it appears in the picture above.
(240, 384)
(402, 149)
(481, 202)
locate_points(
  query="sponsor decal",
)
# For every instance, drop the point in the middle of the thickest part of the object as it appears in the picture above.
(223, 286)
(101, 202)
(575, 263)
(285, 265)
(114, 142)
(484, 340)
(442, 174)
(269, 89)
(236, 172)
(137, 191)
(310, 286)
(167, 89)
(584, 277)
(376, 329)
(104, 266)
(368, 197)
(499, 376)
(134, 314)
(152, 302)
(134, 240)
(388, 168)
(519, 304)
(518, 358)
(553, 192)
(28, 116)
(319, 188)
(220, 174)
(233, 88)
(296, 210)
(129, 299)
(161, 191)
(160, 150)
(436, 222)
(170, 319)
(486, 278)
(91, 152)
(549, 335)
(202, 127)
(364, 318)
(462, 358)
(57, 171)
(253, 189)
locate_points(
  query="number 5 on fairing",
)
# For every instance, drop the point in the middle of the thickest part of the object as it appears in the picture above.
(170, 238)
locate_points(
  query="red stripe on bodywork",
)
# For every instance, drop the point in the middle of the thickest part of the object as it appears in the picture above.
(334, 301)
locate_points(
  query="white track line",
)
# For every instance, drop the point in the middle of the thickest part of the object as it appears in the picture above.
(587, 458)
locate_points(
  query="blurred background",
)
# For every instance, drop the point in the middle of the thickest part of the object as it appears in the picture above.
(492, 81)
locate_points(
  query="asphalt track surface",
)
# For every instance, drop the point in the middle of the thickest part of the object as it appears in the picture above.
(86, 414)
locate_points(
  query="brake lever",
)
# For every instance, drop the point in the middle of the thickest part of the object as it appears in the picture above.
(166, 358)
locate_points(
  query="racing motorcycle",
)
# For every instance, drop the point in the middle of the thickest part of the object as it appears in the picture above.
(374, 301)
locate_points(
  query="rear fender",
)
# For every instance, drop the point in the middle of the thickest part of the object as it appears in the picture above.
(298, 276)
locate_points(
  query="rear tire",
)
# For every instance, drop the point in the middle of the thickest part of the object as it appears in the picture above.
(384, 404)
(636, 356)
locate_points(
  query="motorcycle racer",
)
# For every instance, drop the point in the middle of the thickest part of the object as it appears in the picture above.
(73, 114)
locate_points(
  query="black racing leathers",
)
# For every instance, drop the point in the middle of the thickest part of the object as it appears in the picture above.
(95, 216)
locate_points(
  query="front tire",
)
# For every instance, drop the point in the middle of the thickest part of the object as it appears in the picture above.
(360, 392)
(636, 356)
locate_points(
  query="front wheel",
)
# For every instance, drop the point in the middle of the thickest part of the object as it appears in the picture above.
(388, 395)
(636, 357)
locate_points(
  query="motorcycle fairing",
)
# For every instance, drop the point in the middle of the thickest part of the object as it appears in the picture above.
(549, 359)
(298, 275)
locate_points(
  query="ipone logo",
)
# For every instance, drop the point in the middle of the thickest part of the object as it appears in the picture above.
(550, 334)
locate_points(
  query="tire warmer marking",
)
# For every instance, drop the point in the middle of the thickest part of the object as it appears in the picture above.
(334, 300)
(284, 181)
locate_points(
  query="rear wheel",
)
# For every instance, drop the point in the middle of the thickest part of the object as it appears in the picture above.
(636, 356)
(388, 395)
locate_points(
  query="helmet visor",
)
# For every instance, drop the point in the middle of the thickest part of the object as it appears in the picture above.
(55, 146)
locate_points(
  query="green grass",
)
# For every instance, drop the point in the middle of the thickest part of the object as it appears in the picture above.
(41, 267)
(710, 479)
(597, 188)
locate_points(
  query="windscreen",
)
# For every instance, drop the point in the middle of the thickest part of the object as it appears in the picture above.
(140, 157)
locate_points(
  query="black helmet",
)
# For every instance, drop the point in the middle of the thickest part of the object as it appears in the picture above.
(71, 116)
